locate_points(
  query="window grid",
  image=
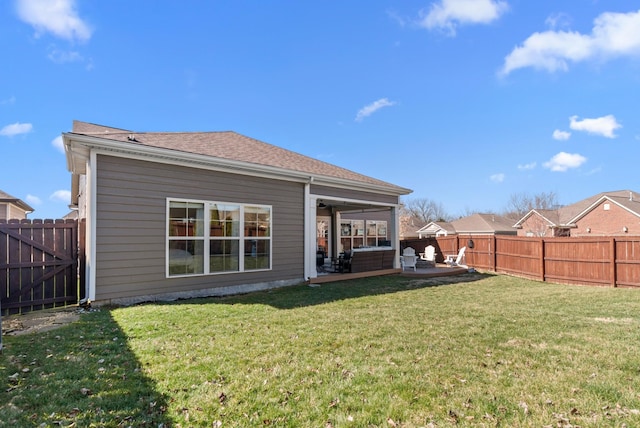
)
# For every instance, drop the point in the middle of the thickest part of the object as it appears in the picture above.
(238, 238)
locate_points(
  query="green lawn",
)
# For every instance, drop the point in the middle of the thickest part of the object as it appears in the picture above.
(380, 352)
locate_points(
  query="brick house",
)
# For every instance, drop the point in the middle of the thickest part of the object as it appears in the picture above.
(604, 214)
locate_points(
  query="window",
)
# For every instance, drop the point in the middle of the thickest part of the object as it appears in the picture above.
(224, 237)
(322, 234)
(353, 234)
(376, 233)
(186, 238)
(237, 239)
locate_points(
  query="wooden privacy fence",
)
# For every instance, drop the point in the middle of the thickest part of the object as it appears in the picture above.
(38, 265)
(601, 260)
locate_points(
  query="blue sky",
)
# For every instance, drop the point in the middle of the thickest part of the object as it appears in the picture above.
(466, 102)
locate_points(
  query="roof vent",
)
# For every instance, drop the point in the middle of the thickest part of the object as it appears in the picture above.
(630, 196)
(131, 137)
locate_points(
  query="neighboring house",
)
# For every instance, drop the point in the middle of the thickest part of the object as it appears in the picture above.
(483, 224)
(12, 207)
(604, 214)
(436, 228)
(71, 215)
(409, 225)
(172, 215)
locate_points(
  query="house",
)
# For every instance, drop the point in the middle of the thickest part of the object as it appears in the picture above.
(604, 214)
(409, 224)
(474, 224)
(12, 207)
(436, 228)
(483, 224)
(187, 214)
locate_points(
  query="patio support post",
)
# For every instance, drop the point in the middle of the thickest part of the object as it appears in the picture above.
(337, 218)
(394, 235)
(310, 245)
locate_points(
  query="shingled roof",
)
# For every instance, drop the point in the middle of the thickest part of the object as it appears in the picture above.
(7, 198)
(231, 146)
(625, 198)
(568, 215)
(483, 223)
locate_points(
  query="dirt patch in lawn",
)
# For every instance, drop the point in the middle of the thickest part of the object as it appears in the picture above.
(39, 321)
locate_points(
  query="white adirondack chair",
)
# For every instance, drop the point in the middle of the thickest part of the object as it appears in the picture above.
(429, 255)
(459, 260)
(409, 258)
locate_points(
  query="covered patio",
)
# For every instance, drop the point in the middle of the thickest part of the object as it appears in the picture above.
(353, 238)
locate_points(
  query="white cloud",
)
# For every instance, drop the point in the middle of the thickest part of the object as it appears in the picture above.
(595, 171)
(61, 196)
(33, 200)
(58, 144)
(62, 57)
(10, 100)
(558, 20)
(397, 18)
(613, 35)
(58, 17)
(497, 178)
(16, 129)
(527, 166)
(561, 135)
(448, 14)
(564, 161)
(605, 125)
(372, 108)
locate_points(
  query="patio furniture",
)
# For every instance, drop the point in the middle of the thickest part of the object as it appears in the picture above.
(344, 262)
(408, 258)
(429, 255)
(458, 259)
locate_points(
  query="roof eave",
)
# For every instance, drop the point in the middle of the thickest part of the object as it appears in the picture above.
(598, 202)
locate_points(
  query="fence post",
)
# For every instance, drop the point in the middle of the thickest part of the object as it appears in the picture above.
(542, 259)
(494, 250)
(612, 262)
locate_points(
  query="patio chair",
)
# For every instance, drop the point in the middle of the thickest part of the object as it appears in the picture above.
(344, 262)
(429, 255)
(408, 258)
(458, 260)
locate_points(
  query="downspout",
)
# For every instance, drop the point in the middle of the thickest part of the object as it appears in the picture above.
(91, 211)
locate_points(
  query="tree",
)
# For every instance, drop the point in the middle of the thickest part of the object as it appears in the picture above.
(521, 203)
(425, 210)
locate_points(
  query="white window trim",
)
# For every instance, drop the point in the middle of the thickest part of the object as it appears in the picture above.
(206, 238)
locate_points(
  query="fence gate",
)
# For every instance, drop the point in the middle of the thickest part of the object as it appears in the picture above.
(38, 265)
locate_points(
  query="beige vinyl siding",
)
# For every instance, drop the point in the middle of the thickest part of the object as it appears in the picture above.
(10, 211)
(351, 194)
(131, 225)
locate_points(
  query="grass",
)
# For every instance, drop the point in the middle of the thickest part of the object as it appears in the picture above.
(380, 352)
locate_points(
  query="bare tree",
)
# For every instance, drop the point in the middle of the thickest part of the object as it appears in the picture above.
(521, 203)
(425, 210)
